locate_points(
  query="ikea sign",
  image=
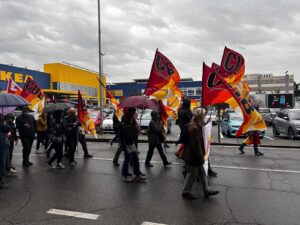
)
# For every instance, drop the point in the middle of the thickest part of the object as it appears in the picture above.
(20, 75)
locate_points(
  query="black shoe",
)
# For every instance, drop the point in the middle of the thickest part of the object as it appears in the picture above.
(212, 173)
(26, 164)
(116, 163)
(258, 153)
(189, 196)
(241, 150)
(167, 163)
(3, 186)
(210, 192)
(167, 146)
(88, 156)
(148, 165)
(30, 163)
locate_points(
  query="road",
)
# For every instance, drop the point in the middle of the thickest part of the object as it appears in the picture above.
(253, 190)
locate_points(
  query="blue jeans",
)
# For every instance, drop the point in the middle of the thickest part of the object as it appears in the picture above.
(134, 159)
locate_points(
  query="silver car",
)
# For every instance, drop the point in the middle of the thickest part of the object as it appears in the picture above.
(287, 122)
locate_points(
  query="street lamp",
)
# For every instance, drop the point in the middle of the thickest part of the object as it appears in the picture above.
(100, 68)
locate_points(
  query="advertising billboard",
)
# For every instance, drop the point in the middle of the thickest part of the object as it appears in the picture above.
(20, 75)
(280, 100)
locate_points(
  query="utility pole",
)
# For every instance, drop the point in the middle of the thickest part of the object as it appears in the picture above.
(100, 69)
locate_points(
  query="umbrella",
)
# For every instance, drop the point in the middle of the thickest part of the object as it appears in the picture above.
(141, 102)
(52, 107)
(10, 100)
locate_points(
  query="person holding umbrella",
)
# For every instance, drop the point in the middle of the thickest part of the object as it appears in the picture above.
(26, 125)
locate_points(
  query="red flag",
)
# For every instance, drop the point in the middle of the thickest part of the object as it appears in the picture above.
(162, 72)
(13, 88)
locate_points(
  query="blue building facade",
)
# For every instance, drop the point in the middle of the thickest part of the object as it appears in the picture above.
(20, 75)
(190, 89)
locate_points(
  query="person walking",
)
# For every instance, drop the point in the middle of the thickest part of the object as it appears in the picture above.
(252, 139)
(42, 132)
(82, 141)
(194, 157)
(155, 138)
(4, 148)
(116, 127)
(26, 125)
(71, 130)
(13, 140)
(129, 132)
(184, 116)
(57, 142)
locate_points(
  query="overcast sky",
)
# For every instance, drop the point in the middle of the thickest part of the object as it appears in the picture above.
(188, 32)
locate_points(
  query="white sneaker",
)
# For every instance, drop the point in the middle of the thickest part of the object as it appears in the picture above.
(127, 179)
(13, 170)
(60, 166)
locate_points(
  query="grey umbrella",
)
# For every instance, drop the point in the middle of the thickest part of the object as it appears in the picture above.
(51, 107)
(11, 100)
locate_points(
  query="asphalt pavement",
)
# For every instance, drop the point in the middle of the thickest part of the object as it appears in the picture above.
(253, 190)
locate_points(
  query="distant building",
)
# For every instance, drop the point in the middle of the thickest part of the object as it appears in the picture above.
(269, 84)
(190, 88)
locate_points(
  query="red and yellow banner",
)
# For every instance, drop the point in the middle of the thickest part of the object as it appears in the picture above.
(33, 94)
(163, 76)
(13, 88)
(84, 117)
(225, 84)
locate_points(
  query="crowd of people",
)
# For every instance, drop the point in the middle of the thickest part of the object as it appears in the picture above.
(61, 130)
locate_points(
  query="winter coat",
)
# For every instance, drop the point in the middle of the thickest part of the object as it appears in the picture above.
(42, 124)
(129, 133)
(194, 148)
(155, 132)
(184, 117)
(4, 129)
(25, 131)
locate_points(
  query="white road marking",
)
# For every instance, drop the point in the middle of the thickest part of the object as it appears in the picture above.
(270, 148)
(73, 214)
(257, 169)
(149, 223)
(269, 138)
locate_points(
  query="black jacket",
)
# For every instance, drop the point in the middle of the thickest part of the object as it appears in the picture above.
(71, 125)
(116, 123)
(155, 132)
(24, 131)
(184, 117)
(129, 133)
(4, 129)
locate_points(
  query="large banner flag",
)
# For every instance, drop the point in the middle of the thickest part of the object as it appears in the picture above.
(163, 76)
(13, 88)
(84, 117)
(216, 90)
(33, 94)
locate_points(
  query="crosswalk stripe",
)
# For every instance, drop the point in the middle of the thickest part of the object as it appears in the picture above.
(73, 214)
(150, 223)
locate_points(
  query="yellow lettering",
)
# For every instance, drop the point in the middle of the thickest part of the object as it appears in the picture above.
(26, 77)
(18, 78)
(5, 75)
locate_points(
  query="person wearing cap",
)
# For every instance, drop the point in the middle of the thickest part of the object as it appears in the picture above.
(26, 124)
(12, 139)
(71, 124)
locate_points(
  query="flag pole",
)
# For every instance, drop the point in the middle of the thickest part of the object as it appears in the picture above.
(100, 69)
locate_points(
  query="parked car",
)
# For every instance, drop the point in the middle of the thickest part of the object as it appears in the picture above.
(95, 116)
(267, 115)
(213, 116)
(144, 121)
(287, 122)
(231, 123)
(108, 123)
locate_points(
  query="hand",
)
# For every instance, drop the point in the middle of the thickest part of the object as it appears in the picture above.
(27, 125)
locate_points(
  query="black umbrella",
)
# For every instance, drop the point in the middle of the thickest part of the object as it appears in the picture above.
(11, 100)
(141, 102)
(52, 107)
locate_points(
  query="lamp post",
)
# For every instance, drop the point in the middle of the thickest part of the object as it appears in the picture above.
(100, 69)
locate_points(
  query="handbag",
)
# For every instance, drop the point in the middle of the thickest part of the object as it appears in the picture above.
(131, 148)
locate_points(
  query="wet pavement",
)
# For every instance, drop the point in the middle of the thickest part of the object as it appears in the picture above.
(253, 190)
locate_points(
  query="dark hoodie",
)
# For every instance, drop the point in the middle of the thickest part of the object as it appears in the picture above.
(155, 129)
(185, 114)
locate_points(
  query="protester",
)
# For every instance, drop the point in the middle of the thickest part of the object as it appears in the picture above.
(116, 127)
(26, 125)
(129, 137)
(57, 142)
(155, 138)
(71, 131)
(253, 138)
(42, 132)
(82, 140)
(194, 157)
(12, 140)
(184, 116)
(4, 148)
